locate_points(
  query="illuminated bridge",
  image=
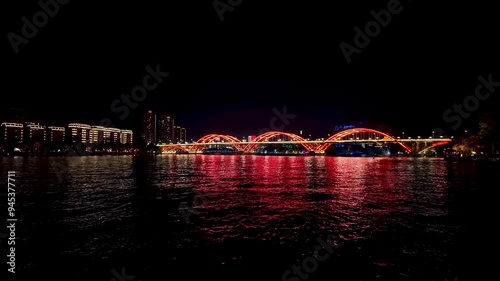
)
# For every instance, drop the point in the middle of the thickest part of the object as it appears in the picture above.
(354, 135)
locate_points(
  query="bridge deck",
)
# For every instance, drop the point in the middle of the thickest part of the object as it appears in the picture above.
(308, 141)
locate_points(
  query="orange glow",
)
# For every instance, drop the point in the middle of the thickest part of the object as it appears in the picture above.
(348, 132)
(211, 139)
(434, 145)
(175, 146)
(318, 146)
(266, 136)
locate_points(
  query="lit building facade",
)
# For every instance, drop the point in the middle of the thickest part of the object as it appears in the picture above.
(165, 126)
(183, 136)
(177, 134)
(12, 132)
(148, 133)
(30, 132)
(127, 136)
(98, 133)
(56, 134)
(113, 135)
(77, 132)
(102, 134)
(34, 132)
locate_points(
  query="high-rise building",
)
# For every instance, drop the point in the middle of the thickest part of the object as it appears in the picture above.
(165, 126)
(127, 136)
(77, 132)
(177, 134)
(12, 132)
(183, 135)
(34, 132)
(114, 135)
(102, 134)
(56, 134)
(98, 134)
(148, 133)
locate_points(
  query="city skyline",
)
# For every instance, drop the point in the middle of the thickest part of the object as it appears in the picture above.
(159, 128)
(299, 124)
(96, 133)
(29, 132)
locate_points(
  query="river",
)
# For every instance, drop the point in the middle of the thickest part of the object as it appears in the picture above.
(249, 217)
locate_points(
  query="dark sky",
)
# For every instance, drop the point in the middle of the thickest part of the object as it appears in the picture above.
(228, 76)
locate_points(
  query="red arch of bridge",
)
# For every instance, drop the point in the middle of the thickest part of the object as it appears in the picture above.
(211, 138)
(172, 146)
(266, 136)
(433, 145)
(345, 133)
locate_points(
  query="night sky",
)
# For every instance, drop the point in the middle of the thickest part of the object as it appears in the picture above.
(227, 76)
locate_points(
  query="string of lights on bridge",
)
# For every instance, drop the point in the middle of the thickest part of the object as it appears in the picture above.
(318, 146)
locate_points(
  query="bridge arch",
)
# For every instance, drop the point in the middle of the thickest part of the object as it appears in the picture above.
(211, 139)
(174, 146)
(433, 145)
(340, 135)
(266, 136)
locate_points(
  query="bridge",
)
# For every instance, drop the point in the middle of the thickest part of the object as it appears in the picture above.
(319, 146)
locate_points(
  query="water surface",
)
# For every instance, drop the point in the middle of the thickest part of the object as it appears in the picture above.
(251, 217)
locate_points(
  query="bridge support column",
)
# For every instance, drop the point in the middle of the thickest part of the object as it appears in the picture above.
(414, 148)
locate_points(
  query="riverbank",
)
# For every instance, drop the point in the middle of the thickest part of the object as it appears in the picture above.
(66, 154)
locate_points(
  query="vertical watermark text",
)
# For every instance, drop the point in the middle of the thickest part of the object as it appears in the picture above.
(11, 220)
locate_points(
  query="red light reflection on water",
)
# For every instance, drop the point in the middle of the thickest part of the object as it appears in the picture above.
(274, 194)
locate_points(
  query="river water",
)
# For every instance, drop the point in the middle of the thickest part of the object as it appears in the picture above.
(249, 217)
